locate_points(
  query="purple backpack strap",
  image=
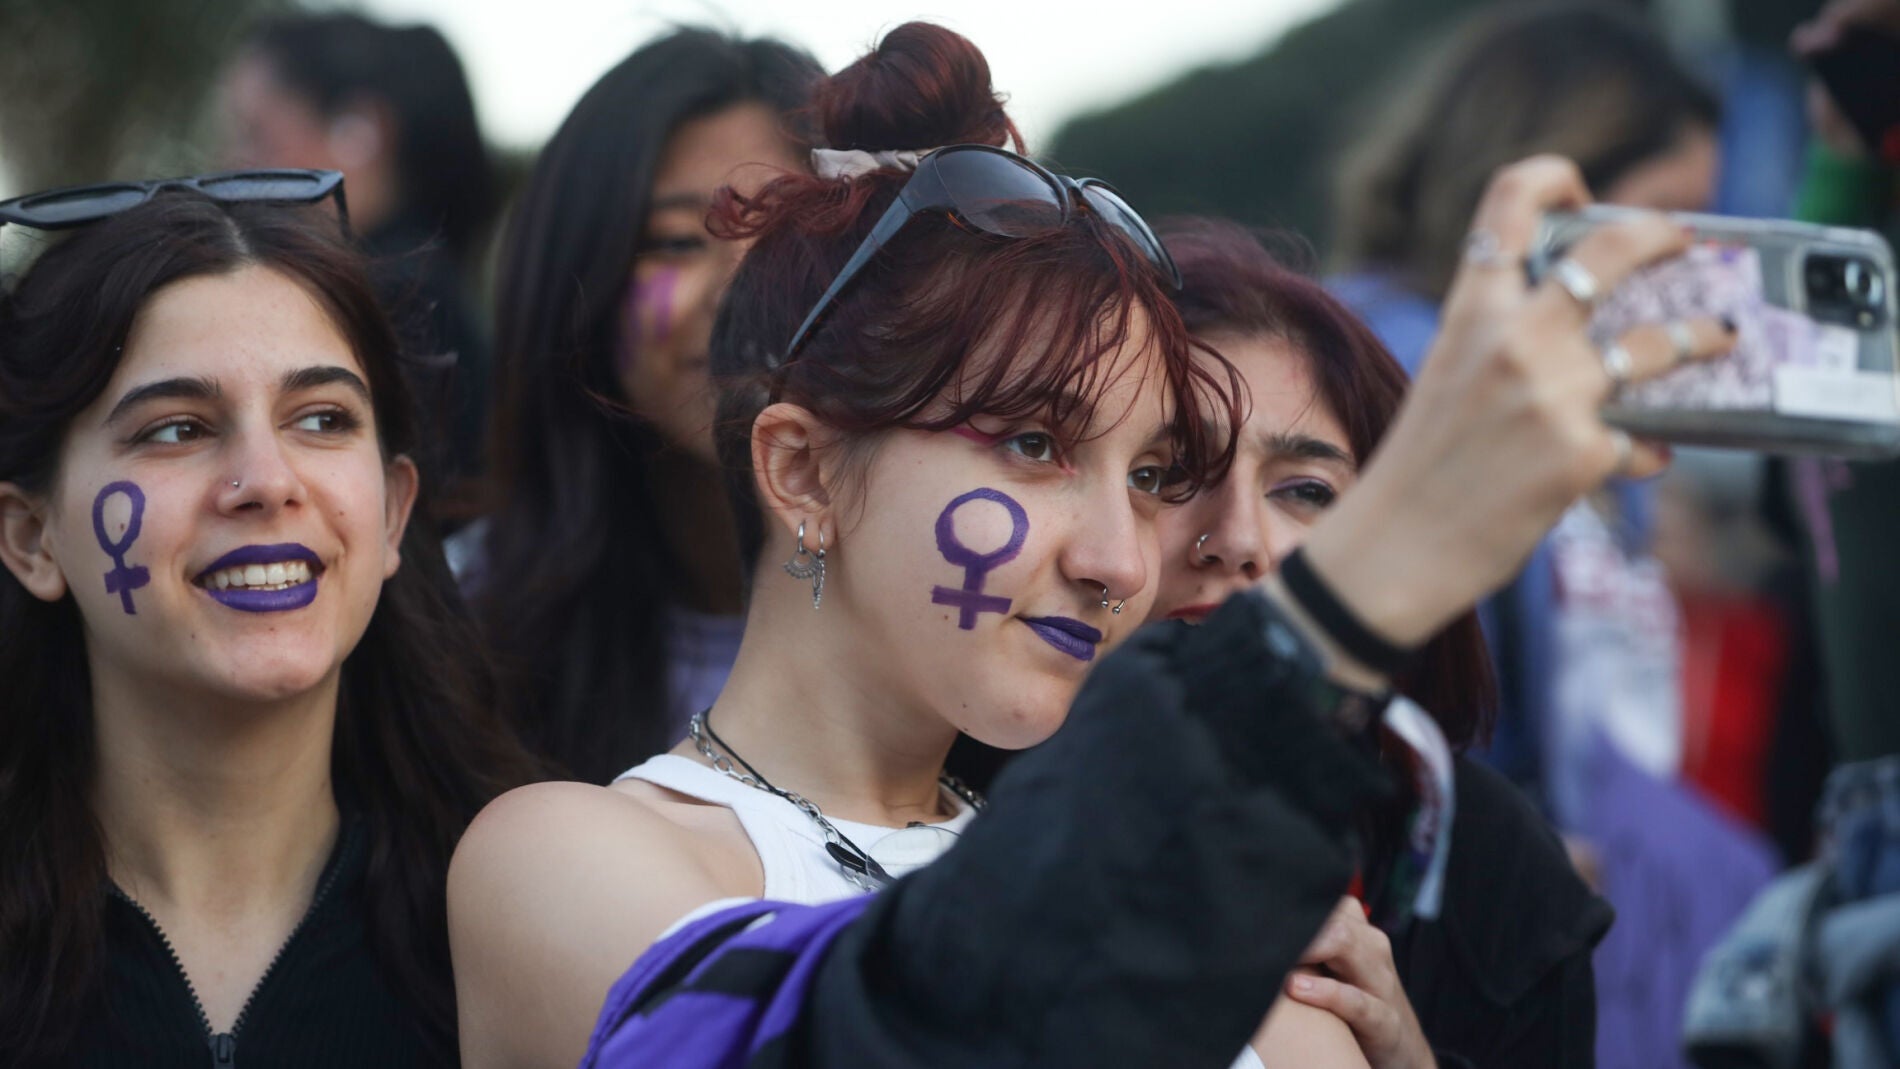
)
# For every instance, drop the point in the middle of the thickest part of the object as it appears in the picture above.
(723, 992)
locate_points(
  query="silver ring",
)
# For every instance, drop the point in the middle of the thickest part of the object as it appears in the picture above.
(1617, 364)
(1625, 452)
(1577, 281)
(1682, 341)
(1483, 249)
(1117, 610)
(1204, 555)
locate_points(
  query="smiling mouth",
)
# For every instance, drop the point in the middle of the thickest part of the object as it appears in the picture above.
(263, 578)
(1072, 637)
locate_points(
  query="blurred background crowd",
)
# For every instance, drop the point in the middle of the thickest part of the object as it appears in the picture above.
(1682, 663)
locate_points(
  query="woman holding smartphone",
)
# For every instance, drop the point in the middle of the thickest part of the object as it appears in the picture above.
(957, 435)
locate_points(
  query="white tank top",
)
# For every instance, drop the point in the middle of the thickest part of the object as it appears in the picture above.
(790, 845)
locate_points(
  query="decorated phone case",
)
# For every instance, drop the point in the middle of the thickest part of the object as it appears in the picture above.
(1813, 369)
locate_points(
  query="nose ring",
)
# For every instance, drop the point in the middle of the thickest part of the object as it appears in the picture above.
(1117, 610)
(1205, 557)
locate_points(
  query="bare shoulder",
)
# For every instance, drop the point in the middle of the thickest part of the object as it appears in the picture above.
(553, 892)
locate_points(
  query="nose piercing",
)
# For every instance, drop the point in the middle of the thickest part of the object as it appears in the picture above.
(1205, 557)
(1117, 610)
(234, 484)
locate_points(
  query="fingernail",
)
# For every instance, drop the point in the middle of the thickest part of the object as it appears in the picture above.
(1302, 983)
(1728, 324)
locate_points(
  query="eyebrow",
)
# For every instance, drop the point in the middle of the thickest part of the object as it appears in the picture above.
(309, 378)
(1307, 447)
(206, 389)
(673, 201)
(199, 389)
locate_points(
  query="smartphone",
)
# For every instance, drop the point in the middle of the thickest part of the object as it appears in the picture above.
(1813, 370)
(1862, 74)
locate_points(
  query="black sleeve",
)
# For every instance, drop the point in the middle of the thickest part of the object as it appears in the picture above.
(1139, 888)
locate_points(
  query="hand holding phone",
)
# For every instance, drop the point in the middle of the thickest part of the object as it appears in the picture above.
(1813, 369)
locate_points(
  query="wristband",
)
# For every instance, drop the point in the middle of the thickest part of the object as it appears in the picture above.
(1329, 613)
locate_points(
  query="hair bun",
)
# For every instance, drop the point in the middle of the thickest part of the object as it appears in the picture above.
(922, 87)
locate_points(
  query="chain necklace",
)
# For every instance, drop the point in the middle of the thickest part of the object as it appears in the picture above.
(860, 868)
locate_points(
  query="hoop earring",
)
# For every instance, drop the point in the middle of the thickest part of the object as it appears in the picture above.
(1204, 557)
(808, 565)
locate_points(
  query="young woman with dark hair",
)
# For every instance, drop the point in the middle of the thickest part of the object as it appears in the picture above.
(234, 767)
(1323, 394)
(390, 107)
(606, 575)
(961, 396)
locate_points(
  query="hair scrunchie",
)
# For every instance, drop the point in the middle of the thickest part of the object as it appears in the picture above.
(847, 164)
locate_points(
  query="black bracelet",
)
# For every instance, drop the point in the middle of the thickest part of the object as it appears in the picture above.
(1361, 642)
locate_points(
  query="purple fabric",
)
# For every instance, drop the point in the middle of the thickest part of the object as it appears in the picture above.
(742, 997)
(1679, 874)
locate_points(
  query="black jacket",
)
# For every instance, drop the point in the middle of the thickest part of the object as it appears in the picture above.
(1503, 977)
(1140, 887)
(323, 1002)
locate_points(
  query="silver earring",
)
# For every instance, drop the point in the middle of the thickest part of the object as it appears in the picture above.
(1204, 555)
(808, 565)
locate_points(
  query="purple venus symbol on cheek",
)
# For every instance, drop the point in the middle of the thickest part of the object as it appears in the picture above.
(121, 580)
(977, 566)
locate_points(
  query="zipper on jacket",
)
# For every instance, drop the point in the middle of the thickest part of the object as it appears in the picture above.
(223, 1045)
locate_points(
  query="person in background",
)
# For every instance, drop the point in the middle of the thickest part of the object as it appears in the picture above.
(388, 106)
(1600, 87)
(607, 573)
(243, 720)
(1502, 977)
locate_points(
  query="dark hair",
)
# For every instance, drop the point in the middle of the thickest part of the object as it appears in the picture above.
(577, 573)
(1596, 85)
(418, 746)
(444, 176)
(1232, 286)
(1062, 302)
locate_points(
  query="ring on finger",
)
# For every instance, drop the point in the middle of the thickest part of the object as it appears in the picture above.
(1483, 249)
(1625, 452)
(1577, 281)
(1618, 364)
(1681, 341)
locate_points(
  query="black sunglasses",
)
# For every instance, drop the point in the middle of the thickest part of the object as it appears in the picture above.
(992, 191)
(62, 209)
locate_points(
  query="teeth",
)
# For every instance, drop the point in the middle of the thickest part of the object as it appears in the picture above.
(259, 576)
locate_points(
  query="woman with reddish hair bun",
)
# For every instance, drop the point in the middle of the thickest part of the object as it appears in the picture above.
(1323, 392)
(956, 398)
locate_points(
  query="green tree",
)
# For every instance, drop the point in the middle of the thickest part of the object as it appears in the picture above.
(98, 89)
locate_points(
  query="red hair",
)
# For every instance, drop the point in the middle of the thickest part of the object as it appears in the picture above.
(892, 352)
(1232, 286)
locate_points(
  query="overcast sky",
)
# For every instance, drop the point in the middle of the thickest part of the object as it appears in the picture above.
(529, 62)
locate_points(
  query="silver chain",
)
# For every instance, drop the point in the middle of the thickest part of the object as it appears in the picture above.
(696, 727)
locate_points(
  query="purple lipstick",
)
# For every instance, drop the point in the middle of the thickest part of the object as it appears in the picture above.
(1072, 637)
(274, 578)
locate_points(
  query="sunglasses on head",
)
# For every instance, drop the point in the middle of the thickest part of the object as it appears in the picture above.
(991, 191)
(63, 209)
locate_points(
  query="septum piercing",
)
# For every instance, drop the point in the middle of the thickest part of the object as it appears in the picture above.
(1206, 557)
(1117, 610)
